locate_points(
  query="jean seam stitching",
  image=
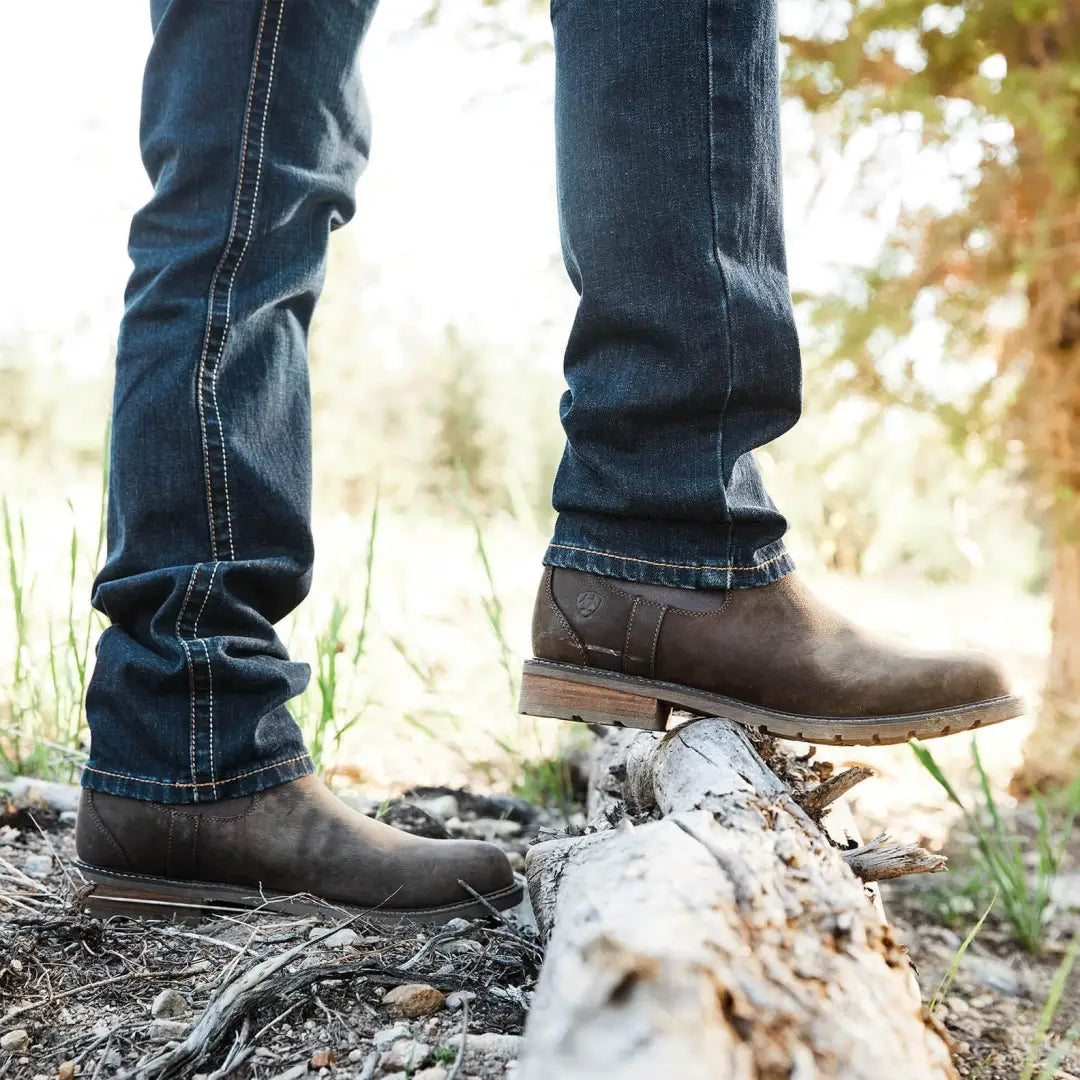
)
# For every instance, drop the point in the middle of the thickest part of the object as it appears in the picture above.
(204, 357)
(247, 241)
(183, 784)
(709, 28)
(190, 666)
(671, 566)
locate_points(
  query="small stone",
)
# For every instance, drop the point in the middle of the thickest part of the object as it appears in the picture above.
(14, 1041)
(169, 1005)
(322, 1058)
(440, 806)
(491, 828)
(38, 866)
(359, 1054)
(382, 1039)
(516, 861)
(395, 1076)
(456, 926)
(166, 1030)
(67, 1070)
(338, 940)
(68, 817)
(489, 1045)
(405, 1054)
(436, 1072)
(458, 998)
(415, 999)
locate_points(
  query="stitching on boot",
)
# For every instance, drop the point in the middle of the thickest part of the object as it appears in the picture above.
(629, 628)
(102, 828)
(574, 637)
(656, 641)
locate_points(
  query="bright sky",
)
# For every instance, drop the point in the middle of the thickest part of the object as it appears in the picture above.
(473, 244)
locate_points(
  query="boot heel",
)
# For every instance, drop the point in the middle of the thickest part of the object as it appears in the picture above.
(542, 695)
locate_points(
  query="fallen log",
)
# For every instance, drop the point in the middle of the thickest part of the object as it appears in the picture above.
(708, 928)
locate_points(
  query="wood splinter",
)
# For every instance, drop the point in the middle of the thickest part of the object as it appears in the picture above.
(880, 860)
(817, 799)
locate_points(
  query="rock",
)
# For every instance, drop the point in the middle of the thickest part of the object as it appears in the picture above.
(395, 1076)
(458, 998)
(67, 1070)
(490, 1046)
(406, 1054)
(516, 860)
(436, 1072)
(169, 1005)
(412, 819)
(414, 999)
(457, 926)
(338, 940)
(360, 1054)
(14, 1041)
(68, 817)
(292, 1074)
(996, 974)
(37, 866)
(440, 806)
(495, 828)
(382, 1039)
(322, 1058)
(166, 1030)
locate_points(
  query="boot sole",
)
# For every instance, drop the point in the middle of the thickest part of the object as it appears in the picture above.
(141, 896)
(592, 696)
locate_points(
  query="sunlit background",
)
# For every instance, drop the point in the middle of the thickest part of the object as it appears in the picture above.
(436, 374)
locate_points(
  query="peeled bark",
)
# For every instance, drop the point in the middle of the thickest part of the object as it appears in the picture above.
(726, 937)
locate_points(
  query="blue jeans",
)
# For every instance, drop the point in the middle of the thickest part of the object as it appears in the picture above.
(682, 359)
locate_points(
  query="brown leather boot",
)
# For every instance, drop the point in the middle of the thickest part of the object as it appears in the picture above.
(773, 658)
(294, 848)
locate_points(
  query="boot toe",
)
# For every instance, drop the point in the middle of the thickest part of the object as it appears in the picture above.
(485, 867)
(974, 678)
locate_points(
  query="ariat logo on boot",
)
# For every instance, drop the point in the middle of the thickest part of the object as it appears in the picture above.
(588, 603)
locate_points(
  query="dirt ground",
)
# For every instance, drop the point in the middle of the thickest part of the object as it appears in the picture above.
(106, 999)
(102, 1000)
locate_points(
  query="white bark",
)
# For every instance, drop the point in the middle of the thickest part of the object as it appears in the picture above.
(728, 939)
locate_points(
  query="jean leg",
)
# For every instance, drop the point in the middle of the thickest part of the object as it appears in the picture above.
(254, 132)
(683, 357)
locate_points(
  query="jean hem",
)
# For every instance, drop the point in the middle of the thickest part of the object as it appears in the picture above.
(766, 565)
(258, 778)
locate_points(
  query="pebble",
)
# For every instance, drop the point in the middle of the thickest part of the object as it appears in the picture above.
(489, 1045)
(415, 999)
(406, 1054)
(516, 861)
(384, 1038)
(68, 817)
(340, 940)
(37, 866)
(441, 806)
(459, 998)
(16, 1040)
(436, 1072)
(490, 828)
(169, 1005)
(67, 1070)
(165, 1030)
(322, 1058)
